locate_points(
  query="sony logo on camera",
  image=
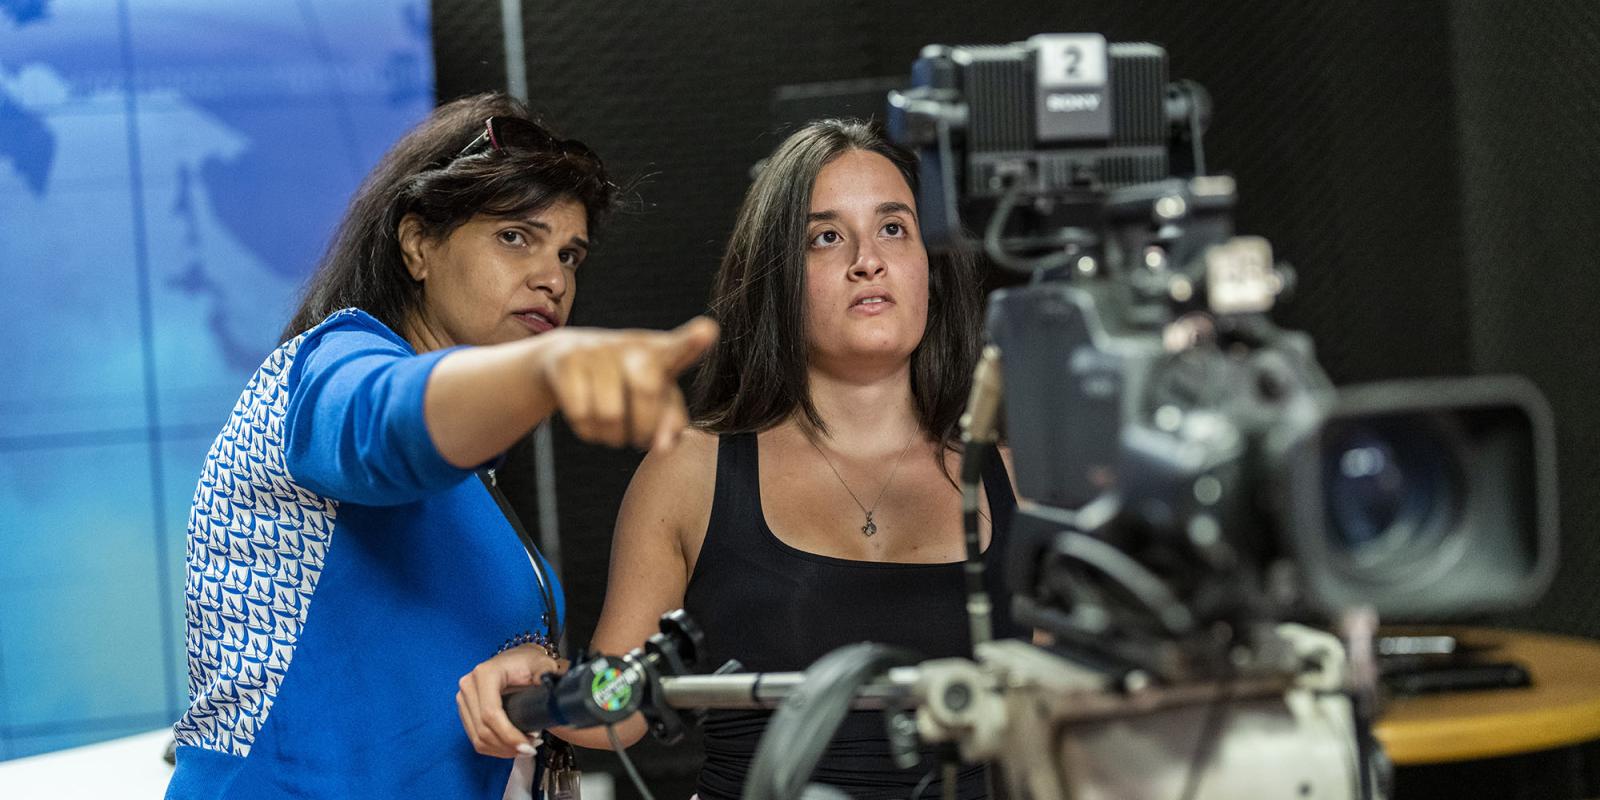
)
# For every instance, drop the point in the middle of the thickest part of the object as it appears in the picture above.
(1072, 102)
(1070, 73)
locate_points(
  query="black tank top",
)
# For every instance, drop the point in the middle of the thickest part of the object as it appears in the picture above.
(776, 608)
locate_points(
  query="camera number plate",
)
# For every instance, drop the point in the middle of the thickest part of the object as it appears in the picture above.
(1073, 101)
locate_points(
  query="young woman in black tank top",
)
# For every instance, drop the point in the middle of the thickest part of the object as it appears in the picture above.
(776, 607)
(814, 506)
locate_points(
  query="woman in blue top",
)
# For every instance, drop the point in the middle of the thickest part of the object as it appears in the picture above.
(344, 564)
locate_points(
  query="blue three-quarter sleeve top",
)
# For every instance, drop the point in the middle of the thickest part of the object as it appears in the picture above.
(342, 576)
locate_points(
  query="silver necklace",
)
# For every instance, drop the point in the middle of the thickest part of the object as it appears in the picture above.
(870, 527)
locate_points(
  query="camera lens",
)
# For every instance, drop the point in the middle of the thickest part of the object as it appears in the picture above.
(1387, 487)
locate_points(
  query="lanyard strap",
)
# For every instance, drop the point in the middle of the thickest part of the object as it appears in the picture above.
(552, 621)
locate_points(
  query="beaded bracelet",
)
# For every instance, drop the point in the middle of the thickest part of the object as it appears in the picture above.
(529, 637)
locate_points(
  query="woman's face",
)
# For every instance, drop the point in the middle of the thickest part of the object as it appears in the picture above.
(866, 268)
(497, 279)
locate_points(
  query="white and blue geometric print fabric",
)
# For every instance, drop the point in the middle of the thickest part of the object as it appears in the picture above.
(257, 545)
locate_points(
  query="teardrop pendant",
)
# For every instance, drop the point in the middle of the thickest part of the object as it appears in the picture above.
(869, 528)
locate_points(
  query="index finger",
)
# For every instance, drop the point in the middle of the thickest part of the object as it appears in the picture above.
(686, 343)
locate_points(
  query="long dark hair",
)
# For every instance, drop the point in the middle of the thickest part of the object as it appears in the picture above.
(755, 376)
(420, 174)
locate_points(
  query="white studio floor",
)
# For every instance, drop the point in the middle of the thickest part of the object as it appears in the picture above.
(130, 768)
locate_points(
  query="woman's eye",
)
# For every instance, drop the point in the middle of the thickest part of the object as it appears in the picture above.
(894, 229)
(825, 238)
(513, 237)
(570, 258)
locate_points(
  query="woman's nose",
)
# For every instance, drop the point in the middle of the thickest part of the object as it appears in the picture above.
(869, 263)
(550, 276)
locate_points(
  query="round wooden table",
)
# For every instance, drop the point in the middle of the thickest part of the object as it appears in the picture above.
(1541, 742)
(1560, 709)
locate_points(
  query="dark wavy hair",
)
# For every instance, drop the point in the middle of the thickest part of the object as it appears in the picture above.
(420, 175)
(755, 376)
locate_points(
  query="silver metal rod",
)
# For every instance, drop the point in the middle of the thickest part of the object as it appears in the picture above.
(544, 470)
(769, 689)
(760, 690)
(516, 55)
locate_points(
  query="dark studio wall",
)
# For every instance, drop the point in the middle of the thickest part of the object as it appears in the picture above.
(1427, 166)
(1528, 116)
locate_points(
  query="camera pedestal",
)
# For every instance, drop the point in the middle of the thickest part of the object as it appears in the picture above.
(1057, 730)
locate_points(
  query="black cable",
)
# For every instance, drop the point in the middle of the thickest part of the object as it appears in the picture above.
(1216, 713)
(1127, 573)
(1374, 776)
(1366, 746)
(552, 620)
(627, 763)
(996, 252)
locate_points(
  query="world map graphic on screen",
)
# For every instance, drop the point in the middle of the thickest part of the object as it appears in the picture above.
(170, 172)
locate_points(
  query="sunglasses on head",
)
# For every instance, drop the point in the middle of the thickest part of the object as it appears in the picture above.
(501, 132)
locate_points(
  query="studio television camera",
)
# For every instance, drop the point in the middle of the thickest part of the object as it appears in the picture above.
(1198, 495)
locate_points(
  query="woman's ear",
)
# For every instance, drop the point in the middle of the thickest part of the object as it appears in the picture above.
(414, 246)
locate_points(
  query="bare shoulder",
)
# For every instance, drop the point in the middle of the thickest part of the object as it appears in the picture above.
(676, 485)
(690, 461)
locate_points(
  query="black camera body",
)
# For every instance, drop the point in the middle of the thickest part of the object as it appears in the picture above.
(1058, 116)
(1187, 462)
(1189, 476)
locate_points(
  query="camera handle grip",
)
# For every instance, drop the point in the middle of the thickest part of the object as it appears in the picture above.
(532, 708)
(603, 690)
